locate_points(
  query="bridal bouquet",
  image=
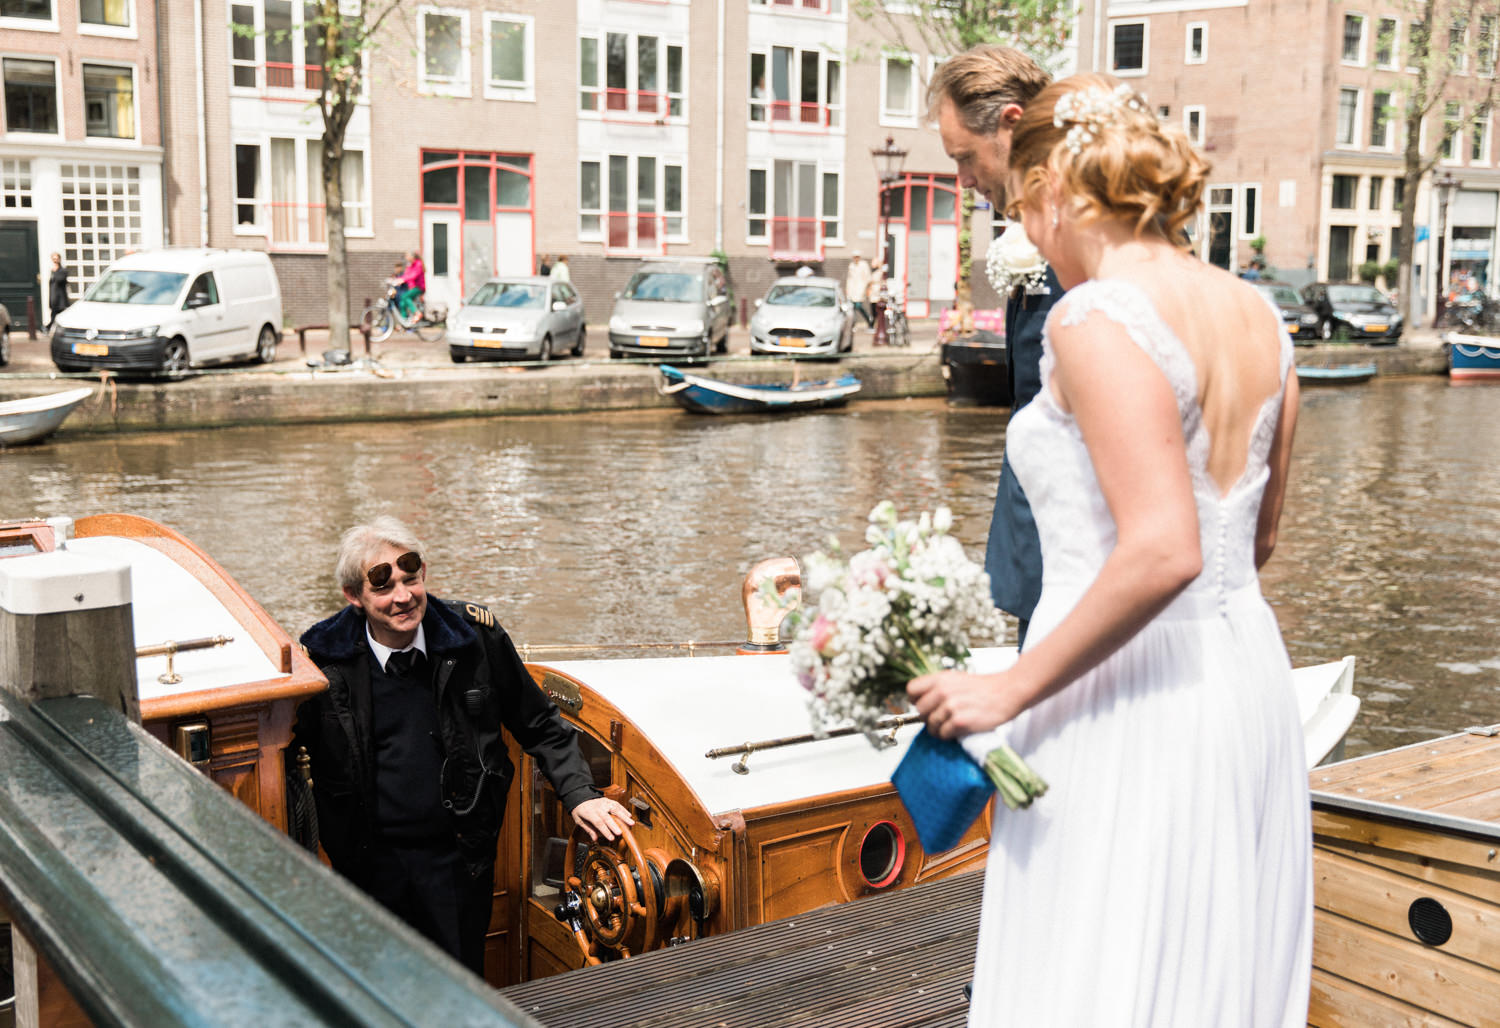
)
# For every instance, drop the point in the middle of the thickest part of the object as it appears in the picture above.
(907, 606)
(1013, 261)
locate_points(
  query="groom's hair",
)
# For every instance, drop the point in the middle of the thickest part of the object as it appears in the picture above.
(982, 81)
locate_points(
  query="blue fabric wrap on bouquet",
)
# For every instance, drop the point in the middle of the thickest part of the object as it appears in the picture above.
(943, 789)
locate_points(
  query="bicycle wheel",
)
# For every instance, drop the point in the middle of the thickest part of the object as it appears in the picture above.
(430, 331)
(378, 322)
(900, 330)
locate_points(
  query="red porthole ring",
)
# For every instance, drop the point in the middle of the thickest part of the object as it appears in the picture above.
(882, 854)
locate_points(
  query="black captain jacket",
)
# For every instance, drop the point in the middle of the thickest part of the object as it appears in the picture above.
(481, 687)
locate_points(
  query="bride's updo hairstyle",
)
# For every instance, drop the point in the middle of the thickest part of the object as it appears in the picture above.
(1114, 157)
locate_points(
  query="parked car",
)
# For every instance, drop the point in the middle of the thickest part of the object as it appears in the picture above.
(4, 336)
(165, 311)
(803, 316)
(672, 308)
(1349, 311)
(1301, 321)
(517, 318)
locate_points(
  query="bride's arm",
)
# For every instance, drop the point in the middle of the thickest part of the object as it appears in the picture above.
(1280, 461)
(1128, 417)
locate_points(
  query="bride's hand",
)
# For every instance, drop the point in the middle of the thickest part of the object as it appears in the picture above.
(956, 703)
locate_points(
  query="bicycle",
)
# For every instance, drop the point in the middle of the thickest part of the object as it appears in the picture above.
(381, 319)
(897, 330)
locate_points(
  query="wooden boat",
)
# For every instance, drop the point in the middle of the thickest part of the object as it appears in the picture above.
(1407, 885)
(742, 817)
(975, 371)
(1472, 358)
(219, 680)
(1337, 374)
(32, 419)
(712, 396)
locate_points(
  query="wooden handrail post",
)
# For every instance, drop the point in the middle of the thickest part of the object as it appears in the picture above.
(66, 629)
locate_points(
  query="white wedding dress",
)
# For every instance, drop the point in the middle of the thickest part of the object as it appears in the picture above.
(1165, 878)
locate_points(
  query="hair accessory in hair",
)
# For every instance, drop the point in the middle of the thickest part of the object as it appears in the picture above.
(1089, 110)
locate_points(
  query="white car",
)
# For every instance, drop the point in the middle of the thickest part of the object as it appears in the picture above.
(527, 317)
(166, 311)
(802, 317)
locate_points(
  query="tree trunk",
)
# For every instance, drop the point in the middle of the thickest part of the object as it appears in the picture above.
(963, 301)
(338, 255)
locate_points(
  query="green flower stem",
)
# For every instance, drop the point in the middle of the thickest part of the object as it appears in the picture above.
(1014, 779)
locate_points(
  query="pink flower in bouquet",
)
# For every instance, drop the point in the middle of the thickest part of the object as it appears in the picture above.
(823, 631)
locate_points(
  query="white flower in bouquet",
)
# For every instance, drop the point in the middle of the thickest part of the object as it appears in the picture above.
(1014, 261)
(909, 605)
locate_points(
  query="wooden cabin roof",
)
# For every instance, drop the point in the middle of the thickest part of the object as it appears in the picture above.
(169, 603)
(1456, 777)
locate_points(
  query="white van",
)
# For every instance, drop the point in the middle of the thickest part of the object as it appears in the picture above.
(169, 310)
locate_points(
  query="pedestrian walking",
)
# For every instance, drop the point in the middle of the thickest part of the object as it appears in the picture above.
(857, 287)
(57, 291)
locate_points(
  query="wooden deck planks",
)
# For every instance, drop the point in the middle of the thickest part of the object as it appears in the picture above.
(900, 959)
(1381, 773)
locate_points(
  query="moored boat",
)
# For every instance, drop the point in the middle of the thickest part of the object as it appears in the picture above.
(975, 371)
(712, 396)
(33, 418)
(1472, 358)
(1336, 374)
(1407, 884)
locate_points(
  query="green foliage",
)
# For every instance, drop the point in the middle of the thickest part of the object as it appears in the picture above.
(1039, 27)
(1258, 244)
(1369, 271)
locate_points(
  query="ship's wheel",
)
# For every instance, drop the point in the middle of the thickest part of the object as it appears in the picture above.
(617, 894)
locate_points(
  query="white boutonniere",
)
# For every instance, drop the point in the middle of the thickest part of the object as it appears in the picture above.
(1013, 262)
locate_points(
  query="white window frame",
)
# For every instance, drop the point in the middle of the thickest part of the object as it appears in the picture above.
(1187, 45)
(34, 25)
(600, 90)
(1487, 70)
(1487, 123)
(633, 158)
(301, 197)
(1145, 68)
(1358, 60)
(1396, 44)
(460, 85)
(1391, 122)
(135, 100)
(834, 122)
(62, 127)
(888, 116)
(764, 214)
(841, 219)
(86, 28)
(523, 91)
(1245, 191)
(257, 202)
(1352, 143)
(1190, 114)
(1461, 67)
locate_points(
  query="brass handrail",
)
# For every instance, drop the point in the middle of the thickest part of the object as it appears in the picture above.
(172, 647)
(744, 749)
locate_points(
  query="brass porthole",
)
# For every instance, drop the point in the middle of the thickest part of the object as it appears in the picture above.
(882, 854)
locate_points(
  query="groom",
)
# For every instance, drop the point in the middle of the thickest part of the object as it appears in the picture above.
(976, 99)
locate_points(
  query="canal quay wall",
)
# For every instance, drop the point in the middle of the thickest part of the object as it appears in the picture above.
(406, 379)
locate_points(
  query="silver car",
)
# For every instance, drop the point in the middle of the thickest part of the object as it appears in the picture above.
(525, 317)
(672, 308)
(803, 316)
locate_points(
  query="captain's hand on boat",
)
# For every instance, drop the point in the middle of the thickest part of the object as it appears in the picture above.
(956, 703)
(601, 816)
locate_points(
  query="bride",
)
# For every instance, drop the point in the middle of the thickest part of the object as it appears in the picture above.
(1165, 879)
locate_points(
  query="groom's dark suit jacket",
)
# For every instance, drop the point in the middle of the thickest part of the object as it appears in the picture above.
(1013, 557)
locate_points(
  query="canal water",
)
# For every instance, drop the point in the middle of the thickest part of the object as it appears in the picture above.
(633, 527)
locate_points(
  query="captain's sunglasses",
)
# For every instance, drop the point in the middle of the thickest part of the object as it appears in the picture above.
(380, 575)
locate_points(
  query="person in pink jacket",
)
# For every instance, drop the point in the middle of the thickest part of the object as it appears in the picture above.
(413, 285)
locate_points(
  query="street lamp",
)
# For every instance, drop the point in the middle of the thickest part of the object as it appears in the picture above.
(1446, 185)
(888, 161)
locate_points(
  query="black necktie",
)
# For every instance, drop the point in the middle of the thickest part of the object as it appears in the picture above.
(404, 664)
